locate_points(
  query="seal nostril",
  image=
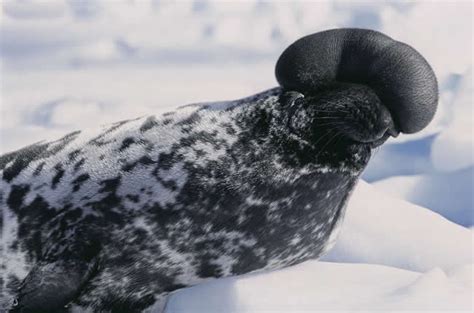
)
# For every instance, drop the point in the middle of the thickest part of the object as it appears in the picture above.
(386, 118)
(392, 131)
(391, 128)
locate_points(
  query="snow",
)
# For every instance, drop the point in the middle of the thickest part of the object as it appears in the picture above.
(326, 287)
(453, 149)
(381, 229)
(69, 65)
(449, 194)
(391, 255)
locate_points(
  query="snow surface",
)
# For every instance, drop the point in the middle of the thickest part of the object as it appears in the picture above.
(450, 194)
(327, 287)
(381, 229)
(68, 65)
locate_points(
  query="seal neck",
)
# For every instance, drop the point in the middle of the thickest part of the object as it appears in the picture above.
(279, 122)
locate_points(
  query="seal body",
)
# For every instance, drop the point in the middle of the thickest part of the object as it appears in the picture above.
(113, 220)
(116, 219)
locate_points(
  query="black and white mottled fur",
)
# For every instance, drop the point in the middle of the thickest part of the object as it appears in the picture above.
(115, 219)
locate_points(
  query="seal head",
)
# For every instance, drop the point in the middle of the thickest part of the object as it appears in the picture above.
(400, 77)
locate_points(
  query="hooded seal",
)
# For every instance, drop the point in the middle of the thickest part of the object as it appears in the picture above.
(113, 220)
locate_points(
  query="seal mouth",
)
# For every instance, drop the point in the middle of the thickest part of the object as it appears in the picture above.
(357, 114)
(388, 127)
(378, 142)
(370, 126)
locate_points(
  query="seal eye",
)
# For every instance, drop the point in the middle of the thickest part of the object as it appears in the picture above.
(297, 120)
(291, 98)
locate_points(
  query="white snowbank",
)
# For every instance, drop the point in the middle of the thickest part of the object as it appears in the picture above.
(447, 193)
(385, 230)
(325, 287)
(453, 149)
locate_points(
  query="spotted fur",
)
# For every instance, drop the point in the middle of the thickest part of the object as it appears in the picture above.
(115, 219)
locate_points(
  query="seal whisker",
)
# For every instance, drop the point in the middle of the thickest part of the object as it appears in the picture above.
(333, 110)
(323, 136)
(330, 124)
(327, 143)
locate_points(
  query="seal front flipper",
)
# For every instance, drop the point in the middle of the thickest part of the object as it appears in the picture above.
(50, 286)
(59, 275)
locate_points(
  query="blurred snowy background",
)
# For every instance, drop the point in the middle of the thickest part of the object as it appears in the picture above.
(68, 65)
